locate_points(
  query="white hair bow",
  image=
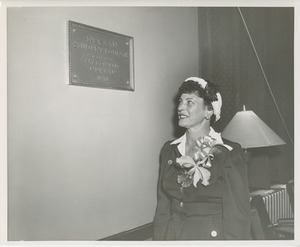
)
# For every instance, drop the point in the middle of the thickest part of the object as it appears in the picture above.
(217, 104)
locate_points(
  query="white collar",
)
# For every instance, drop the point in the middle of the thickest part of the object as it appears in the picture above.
(212, 133)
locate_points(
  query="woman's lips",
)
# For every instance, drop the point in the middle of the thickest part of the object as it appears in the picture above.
(182, 116)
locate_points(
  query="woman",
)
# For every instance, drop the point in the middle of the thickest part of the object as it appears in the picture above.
(202, 188)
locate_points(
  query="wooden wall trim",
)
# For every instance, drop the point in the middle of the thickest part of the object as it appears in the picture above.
(144, 232)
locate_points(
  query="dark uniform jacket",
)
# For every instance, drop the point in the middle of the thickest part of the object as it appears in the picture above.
(220, 210)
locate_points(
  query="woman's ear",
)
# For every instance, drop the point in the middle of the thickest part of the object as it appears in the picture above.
(208, 113)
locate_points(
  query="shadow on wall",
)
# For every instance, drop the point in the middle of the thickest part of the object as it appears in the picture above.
(177, 130)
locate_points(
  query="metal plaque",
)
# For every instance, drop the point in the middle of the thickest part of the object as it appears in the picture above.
(100, 58)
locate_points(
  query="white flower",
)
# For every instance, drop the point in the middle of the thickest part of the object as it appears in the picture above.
(198, 172)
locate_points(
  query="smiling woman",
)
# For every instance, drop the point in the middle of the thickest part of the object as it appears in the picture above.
(202, 188)
(191, 110)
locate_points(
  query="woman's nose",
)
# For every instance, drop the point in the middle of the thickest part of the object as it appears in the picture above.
(180, 106)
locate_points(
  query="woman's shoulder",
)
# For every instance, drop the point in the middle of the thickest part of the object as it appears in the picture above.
(236, 155)
(168, 151)
(169, 148)
(168, 145)
(235, 146)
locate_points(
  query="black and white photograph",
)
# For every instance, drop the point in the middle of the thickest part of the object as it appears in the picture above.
(155, 123)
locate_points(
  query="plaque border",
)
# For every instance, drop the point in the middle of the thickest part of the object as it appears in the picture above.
(129, 39)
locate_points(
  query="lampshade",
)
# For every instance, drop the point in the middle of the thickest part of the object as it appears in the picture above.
(247, 129)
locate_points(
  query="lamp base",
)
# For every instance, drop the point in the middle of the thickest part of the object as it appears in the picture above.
(258, 168)
(247, 156)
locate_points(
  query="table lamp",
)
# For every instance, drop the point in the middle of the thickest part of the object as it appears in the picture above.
(247, 129)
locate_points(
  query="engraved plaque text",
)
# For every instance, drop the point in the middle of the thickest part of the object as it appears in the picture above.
(100, 58)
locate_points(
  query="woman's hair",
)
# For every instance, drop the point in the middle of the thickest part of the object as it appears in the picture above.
(208, 94)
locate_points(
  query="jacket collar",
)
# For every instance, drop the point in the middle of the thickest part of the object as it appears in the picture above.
(181, 141)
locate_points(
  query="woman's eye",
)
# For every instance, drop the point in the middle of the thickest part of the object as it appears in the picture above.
(190, 102)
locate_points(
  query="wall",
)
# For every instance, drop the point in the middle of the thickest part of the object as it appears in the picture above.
(227, 58)
(83, 162)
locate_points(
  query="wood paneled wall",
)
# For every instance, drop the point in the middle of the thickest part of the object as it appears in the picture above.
(227, 58)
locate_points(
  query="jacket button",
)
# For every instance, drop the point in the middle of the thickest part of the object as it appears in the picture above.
(214, 234)
(181, 204)
(170, 162)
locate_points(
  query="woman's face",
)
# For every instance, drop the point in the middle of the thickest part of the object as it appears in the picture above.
(191, 110)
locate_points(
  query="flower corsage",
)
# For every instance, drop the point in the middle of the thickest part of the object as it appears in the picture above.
(197, 167)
